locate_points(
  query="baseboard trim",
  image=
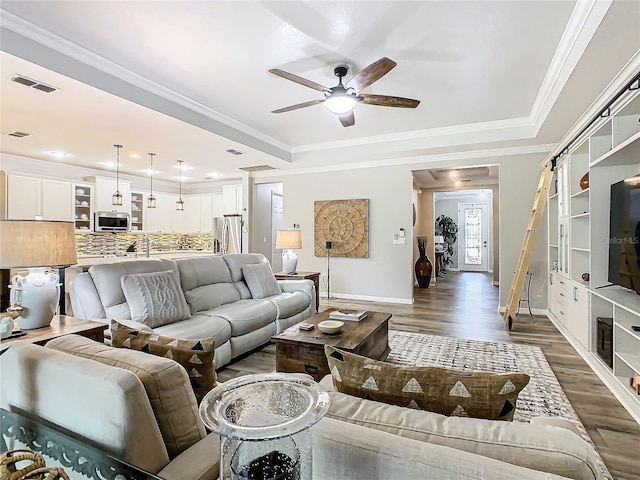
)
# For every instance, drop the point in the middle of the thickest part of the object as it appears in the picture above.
(624, 396)
(368, 298)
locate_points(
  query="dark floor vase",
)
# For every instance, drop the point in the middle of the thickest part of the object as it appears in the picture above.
(424, 267)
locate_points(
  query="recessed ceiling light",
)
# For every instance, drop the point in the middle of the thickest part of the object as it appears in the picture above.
(59, 154)
(134, 155)
(183, 179)
(148, 171)
(108, 164)
(184, 167)
(214, 175)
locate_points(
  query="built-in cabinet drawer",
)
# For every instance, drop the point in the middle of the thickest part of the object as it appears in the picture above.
(558, 295)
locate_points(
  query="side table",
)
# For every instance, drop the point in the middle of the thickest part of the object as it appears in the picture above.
(61, 325)
(314, 276)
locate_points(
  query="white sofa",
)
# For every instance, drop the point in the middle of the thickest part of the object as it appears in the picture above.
(215, 289)
(141, 408)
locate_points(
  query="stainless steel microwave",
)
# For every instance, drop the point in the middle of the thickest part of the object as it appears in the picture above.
(111, 222)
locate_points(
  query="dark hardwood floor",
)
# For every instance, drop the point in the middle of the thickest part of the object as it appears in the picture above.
(466, 305)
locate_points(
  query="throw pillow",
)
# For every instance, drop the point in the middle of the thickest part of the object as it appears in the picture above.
(195, 356)
(448, 392)
(155, 298)
(260, 280)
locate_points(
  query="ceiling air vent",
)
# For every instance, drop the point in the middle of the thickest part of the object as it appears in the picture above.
(29, 82)
(19, 134)
(234, 152)
(257, 168)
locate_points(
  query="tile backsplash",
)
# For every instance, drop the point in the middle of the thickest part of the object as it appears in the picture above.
(118, 243)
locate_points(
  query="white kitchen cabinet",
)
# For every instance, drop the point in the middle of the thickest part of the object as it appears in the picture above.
(218, 205)
(105, 188)
(138, 206)
(31, 197)
(232, 199)
(206, 214)
(187, 220)
(159, 219)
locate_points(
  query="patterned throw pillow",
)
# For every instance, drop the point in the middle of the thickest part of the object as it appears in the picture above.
(155, 298)
(195, 356)
(435, 389)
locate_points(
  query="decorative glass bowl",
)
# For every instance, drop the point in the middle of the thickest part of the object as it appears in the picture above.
(263, 421)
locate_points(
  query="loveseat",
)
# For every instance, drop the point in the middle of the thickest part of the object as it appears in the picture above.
(220, 303)
(140, 408)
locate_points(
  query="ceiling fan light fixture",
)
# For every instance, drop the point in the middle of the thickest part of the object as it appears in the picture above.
(341, 103)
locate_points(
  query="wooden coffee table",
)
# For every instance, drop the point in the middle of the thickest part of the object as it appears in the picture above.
(61, 325)
(303, 351)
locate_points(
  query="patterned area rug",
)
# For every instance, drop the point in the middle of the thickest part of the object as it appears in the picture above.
(542, 396)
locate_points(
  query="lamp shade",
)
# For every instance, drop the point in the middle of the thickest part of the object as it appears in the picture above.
(289, 239)
(37, 243)
(438, 239)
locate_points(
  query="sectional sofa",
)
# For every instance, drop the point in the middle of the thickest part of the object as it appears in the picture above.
(141, 408)
(220, 302)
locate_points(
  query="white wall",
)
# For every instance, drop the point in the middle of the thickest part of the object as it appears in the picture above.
(388, 272)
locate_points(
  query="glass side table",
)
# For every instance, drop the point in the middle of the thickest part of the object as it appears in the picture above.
(263, 421)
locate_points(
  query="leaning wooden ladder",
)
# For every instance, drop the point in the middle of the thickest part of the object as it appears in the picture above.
(539, 203)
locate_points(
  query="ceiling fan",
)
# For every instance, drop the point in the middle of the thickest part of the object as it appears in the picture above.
(342, 99)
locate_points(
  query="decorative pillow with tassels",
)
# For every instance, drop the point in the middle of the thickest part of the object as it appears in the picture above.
(441, 390)
(195, 355)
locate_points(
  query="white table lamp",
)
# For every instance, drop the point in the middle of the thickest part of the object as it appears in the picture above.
(438, 241)
(36, 245)
(289, 240)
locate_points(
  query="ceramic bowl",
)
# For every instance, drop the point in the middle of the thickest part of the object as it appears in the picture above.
(330, 326)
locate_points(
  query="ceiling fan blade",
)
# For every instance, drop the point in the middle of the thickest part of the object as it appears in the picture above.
(297, 79)
(370, 74)
(298, 105)
(347, 119)
(388, 101)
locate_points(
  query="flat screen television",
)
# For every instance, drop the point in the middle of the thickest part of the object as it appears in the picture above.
(624, 234)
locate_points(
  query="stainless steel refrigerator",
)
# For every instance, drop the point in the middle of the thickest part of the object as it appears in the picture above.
(232, 233)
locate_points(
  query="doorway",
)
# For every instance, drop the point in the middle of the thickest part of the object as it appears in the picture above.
(267, 210)
(439, 192)
(473, 234)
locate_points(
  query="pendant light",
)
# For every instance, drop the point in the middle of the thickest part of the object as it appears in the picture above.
(151, 200)
(116, 199)
(180, 203)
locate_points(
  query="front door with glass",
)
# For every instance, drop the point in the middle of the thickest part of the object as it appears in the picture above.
(473, 237)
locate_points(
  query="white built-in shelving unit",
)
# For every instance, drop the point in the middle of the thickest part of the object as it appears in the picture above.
(578, 247)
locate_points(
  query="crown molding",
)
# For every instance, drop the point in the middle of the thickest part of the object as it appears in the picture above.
(61, 45)
(583, 23)
(394, 162)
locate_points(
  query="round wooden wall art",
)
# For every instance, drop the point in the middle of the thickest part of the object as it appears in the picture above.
(346, 224)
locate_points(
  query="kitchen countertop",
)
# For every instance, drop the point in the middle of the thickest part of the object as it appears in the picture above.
(88, 260)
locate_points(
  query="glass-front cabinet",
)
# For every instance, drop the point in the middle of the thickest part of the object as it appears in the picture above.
(137, 210)
(563, 217)
(82, 206)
